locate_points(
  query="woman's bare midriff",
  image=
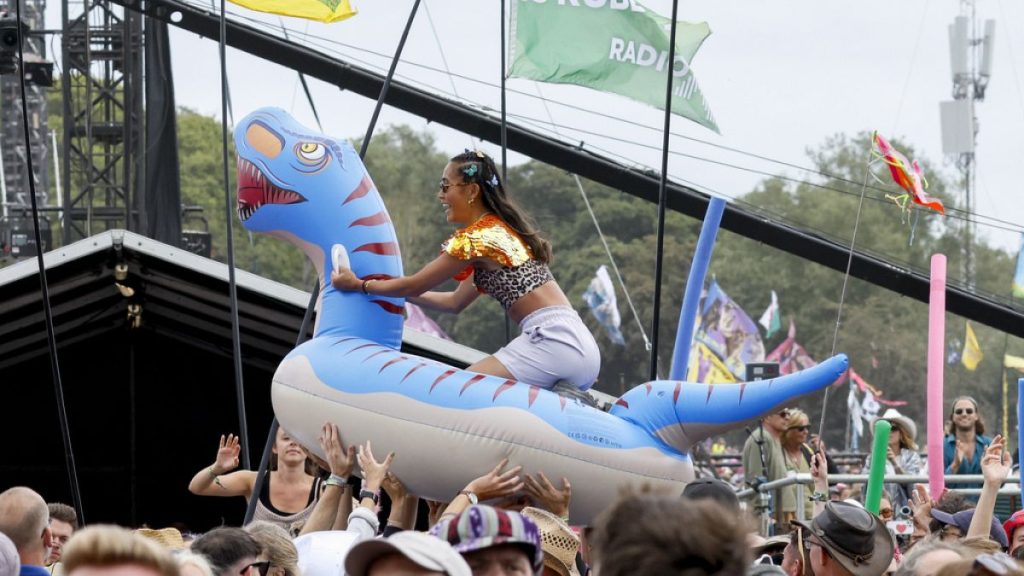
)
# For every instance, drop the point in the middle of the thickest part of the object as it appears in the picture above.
(548, 294)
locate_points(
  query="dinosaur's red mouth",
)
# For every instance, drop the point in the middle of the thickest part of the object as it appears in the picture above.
(255, 190)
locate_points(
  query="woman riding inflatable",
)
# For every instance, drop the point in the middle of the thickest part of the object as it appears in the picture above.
(497, 251)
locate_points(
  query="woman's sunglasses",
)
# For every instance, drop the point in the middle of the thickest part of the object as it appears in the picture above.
(960, 411)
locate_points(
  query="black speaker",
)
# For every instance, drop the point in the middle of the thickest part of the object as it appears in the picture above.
(762, 371)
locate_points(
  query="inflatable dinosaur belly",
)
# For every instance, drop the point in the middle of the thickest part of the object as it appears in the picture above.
(448, 426)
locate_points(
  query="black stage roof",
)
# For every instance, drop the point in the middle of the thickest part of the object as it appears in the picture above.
(146, 402)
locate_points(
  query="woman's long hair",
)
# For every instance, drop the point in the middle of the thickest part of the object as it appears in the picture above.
(475, 166)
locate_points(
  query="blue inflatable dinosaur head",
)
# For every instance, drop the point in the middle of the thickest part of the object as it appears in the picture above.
(314, 191)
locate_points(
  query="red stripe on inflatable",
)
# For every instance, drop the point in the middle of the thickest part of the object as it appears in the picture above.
(743, 387)
(504, 386)
(561, 400)
(389, 307)
(378, 277)
(649, 388)
(375, 220)
(377, 354)
(441, 377)
(343, 340)
(710, 390)
(362, 190)
(470, 382)
(390, 362)
(370, 345)
(623, 403)
(415, 368)
(533, 395)
(675, 395)
(380, 248)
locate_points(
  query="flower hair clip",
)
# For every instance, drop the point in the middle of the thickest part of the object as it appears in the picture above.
(470, 170)
(493, 181)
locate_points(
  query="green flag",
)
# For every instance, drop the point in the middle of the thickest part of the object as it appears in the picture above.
(610, 45)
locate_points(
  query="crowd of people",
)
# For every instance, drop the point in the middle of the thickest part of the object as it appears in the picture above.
(506, 522)
(313, 517)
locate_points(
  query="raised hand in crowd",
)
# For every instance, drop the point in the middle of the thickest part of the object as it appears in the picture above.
(545, 495)
(922, 506)
(340, 461)
(494, 484)
(335, 504)
(404, 505)
(227, 454)
(434, 511)
(215, 480)
(995, 467)
(819, 473)
(373, 471)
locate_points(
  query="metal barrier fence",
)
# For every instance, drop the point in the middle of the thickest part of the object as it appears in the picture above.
(762, 499)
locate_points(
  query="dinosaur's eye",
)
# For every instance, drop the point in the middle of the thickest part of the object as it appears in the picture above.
(311, 152)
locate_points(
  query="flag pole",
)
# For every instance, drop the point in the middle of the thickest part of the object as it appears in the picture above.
(261, 475)
(504, 136)
(662, 192)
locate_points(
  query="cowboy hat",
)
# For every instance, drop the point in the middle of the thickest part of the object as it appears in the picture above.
(854, 537)
(906, 424)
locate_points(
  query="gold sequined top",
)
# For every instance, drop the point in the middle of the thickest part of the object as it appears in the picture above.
(491, 237)
(488, 237)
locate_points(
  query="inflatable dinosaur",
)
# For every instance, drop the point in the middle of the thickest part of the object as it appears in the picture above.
(446, 425)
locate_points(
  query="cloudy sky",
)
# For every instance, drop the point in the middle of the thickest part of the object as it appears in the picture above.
(781, 77)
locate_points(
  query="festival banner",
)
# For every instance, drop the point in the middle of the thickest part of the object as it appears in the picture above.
(728, 333)
(1018, 276)
(616, 46)
(600, 296)
(790, 355)
(972, 353)
(326, 11)
(706, 367)
(416, 319)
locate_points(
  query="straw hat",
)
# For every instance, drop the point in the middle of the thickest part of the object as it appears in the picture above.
(169, 538)
(557, 540)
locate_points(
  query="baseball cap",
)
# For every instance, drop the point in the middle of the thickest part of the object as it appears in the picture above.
(712, 489)
(422, 549)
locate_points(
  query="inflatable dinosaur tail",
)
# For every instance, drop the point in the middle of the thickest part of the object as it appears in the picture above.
(681, 414)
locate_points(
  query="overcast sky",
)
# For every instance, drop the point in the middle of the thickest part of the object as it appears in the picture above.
(780, 76)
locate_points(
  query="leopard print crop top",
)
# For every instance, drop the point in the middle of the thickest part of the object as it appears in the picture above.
(506, 285)
(490, 237)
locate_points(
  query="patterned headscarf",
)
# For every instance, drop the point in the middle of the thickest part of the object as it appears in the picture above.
(480, 527)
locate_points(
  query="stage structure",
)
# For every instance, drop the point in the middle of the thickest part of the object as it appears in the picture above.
(102, 97)
(16, 236)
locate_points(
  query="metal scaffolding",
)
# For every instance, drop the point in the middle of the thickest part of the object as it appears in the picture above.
(16, 220)
(102, 99)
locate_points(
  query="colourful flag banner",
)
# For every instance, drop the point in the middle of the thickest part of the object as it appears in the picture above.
(326, 11)
(617, 46)
(790, 355)
(600, 296)
(705, 366)
(728, 333)
(1018, 276)
(876, 394)
(972, 353)
(416, 319)
(770, 319)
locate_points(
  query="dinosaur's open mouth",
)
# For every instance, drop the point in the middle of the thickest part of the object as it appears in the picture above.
(254, 190)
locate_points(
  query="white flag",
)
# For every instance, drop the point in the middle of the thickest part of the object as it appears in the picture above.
(600, 296)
